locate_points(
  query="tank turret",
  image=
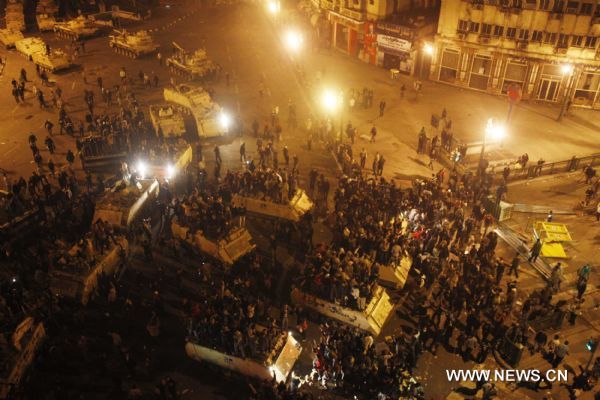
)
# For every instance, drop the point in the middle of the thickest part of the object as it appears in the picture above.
(132, 45)
(196, 65)
(77, 28)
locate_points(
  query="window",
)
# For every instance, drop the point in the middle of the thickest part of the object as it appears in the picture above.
(586, 9)
(577, 41)
(523, 34)
(537, 36)
(573, 7)
(474, 27)
(486, 29)
(544, 5)
(463, 25)
(559, 6)
(498, 30)
(590, 42)
(511, 33)
(517, 3)
(531, 4)
(550, 38)
(563, 40)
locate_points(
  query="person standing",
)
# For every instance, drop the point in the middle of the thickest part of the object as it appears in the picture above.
(363, 158)
(514, 266)
(581, 286)
(50, 144)
(286, 156)
(380, 165)
(535, 251)
(560, 352)
(243, 152)
(373, 134)
(376, 163)
(218, 159)
(70, 157)
(381, 107)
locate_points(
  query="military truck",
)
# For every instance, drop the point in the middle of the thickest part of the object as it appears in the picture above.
(132, 45)
(210, 120)
(18, 355)
(292, 210)
(77, 28)
(15, 19)
(278, 363)
(227, 249)
(29, 46)
(9, 37)
(122, 205)
(56, 60)
(196, 65)
(167, 120)
(45, 12)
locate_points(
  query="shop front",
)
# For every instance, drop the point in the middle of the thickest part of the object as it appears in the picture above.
(345, 33)
(587, 90)
(394, 53)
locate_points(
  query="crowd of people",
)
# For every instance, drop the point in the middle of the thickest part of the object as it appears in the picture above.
(278, 186)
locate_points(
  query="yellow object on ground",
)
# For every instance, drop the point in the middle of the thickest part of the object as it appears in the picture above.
(553, 250)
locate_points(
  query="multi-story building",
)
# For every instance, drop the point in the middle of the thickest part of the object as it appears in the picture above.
(547, 48)
(389, 33)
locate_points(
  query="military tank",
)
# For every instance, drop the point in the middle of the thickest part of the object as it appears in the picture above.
(77, 28)
(132, 45)
(9, 37)
(192, 66)
(29, 46)
(167, 120)
(56, 60)
(15, 19)
(45, 12)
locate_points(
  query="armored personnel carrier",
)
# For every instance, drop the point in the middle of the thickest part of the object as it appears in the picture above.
(132, 45)
(29, 46)
(15, 19)
(56, 60)
(9, 37)
(167, 120)
(77, 28)
(45, 22)
(192, 66)
(210, 119)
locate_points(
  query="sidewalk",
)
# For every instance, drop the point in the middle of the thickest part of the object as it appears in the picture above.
(533, 128)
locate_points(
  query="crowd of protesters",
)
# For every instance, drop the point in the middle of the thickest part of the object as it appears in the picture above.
(277, 186)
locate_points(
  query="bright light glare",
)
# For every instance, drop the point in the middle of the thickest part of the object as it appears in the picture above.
(170, 171)
(428, 48)
(273, 7)
(331, 101)
(224, 120)
(293, 40)
(566, 69)
(494, 132)
(141, 169)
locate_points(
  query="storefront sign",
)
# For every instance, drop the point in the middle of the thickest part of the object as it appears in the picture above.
(393, 43)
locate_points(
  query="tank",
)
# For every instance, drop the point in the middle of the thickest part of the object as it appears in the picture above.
(55, 61)
(77, 28)
(9, 37)
(192, 66)
(132, 45)
(45, 12)
(29, 46)
(15, 19)
(210, 119)
(292, 210)
(168, 120)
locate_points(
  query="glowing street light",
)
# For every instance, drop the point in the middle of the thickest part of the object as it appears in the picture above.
(170, 171)
(495, 133)
(567, 71)
(141, 169)
(274, 7)
(330, 100)
(428, 49)
(224, 120)
(293, 40)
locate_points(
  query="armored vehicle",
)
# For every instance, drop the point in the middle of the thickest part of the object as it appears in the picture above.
(54, 61)
(29, 46)
(45, 12)
(192, 66)
(77, 28)
(167, 120)
(292, 210)
(15, 19)
(132, 45)
(45, 22)
(9, 37)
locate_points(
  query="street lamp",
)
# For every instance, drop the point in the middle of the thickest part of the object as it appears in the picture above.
(567, 71)
(333, 102)
(293, 41)
(224, 121)
(494, 132)
(274, 7)
(428, 50)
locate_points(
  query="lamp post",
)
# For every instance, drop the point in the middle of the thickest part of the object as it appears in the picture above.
(494, 132)
(333, 101)
(427, 50)
(274, 7)
(567, 70)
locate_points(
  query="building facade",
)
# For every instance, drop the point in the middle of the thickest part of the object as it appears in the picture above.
(549, 49)
(388, 33)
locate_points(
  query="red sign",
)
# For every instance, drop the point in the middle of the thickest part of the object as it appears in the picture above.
(514, 92)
